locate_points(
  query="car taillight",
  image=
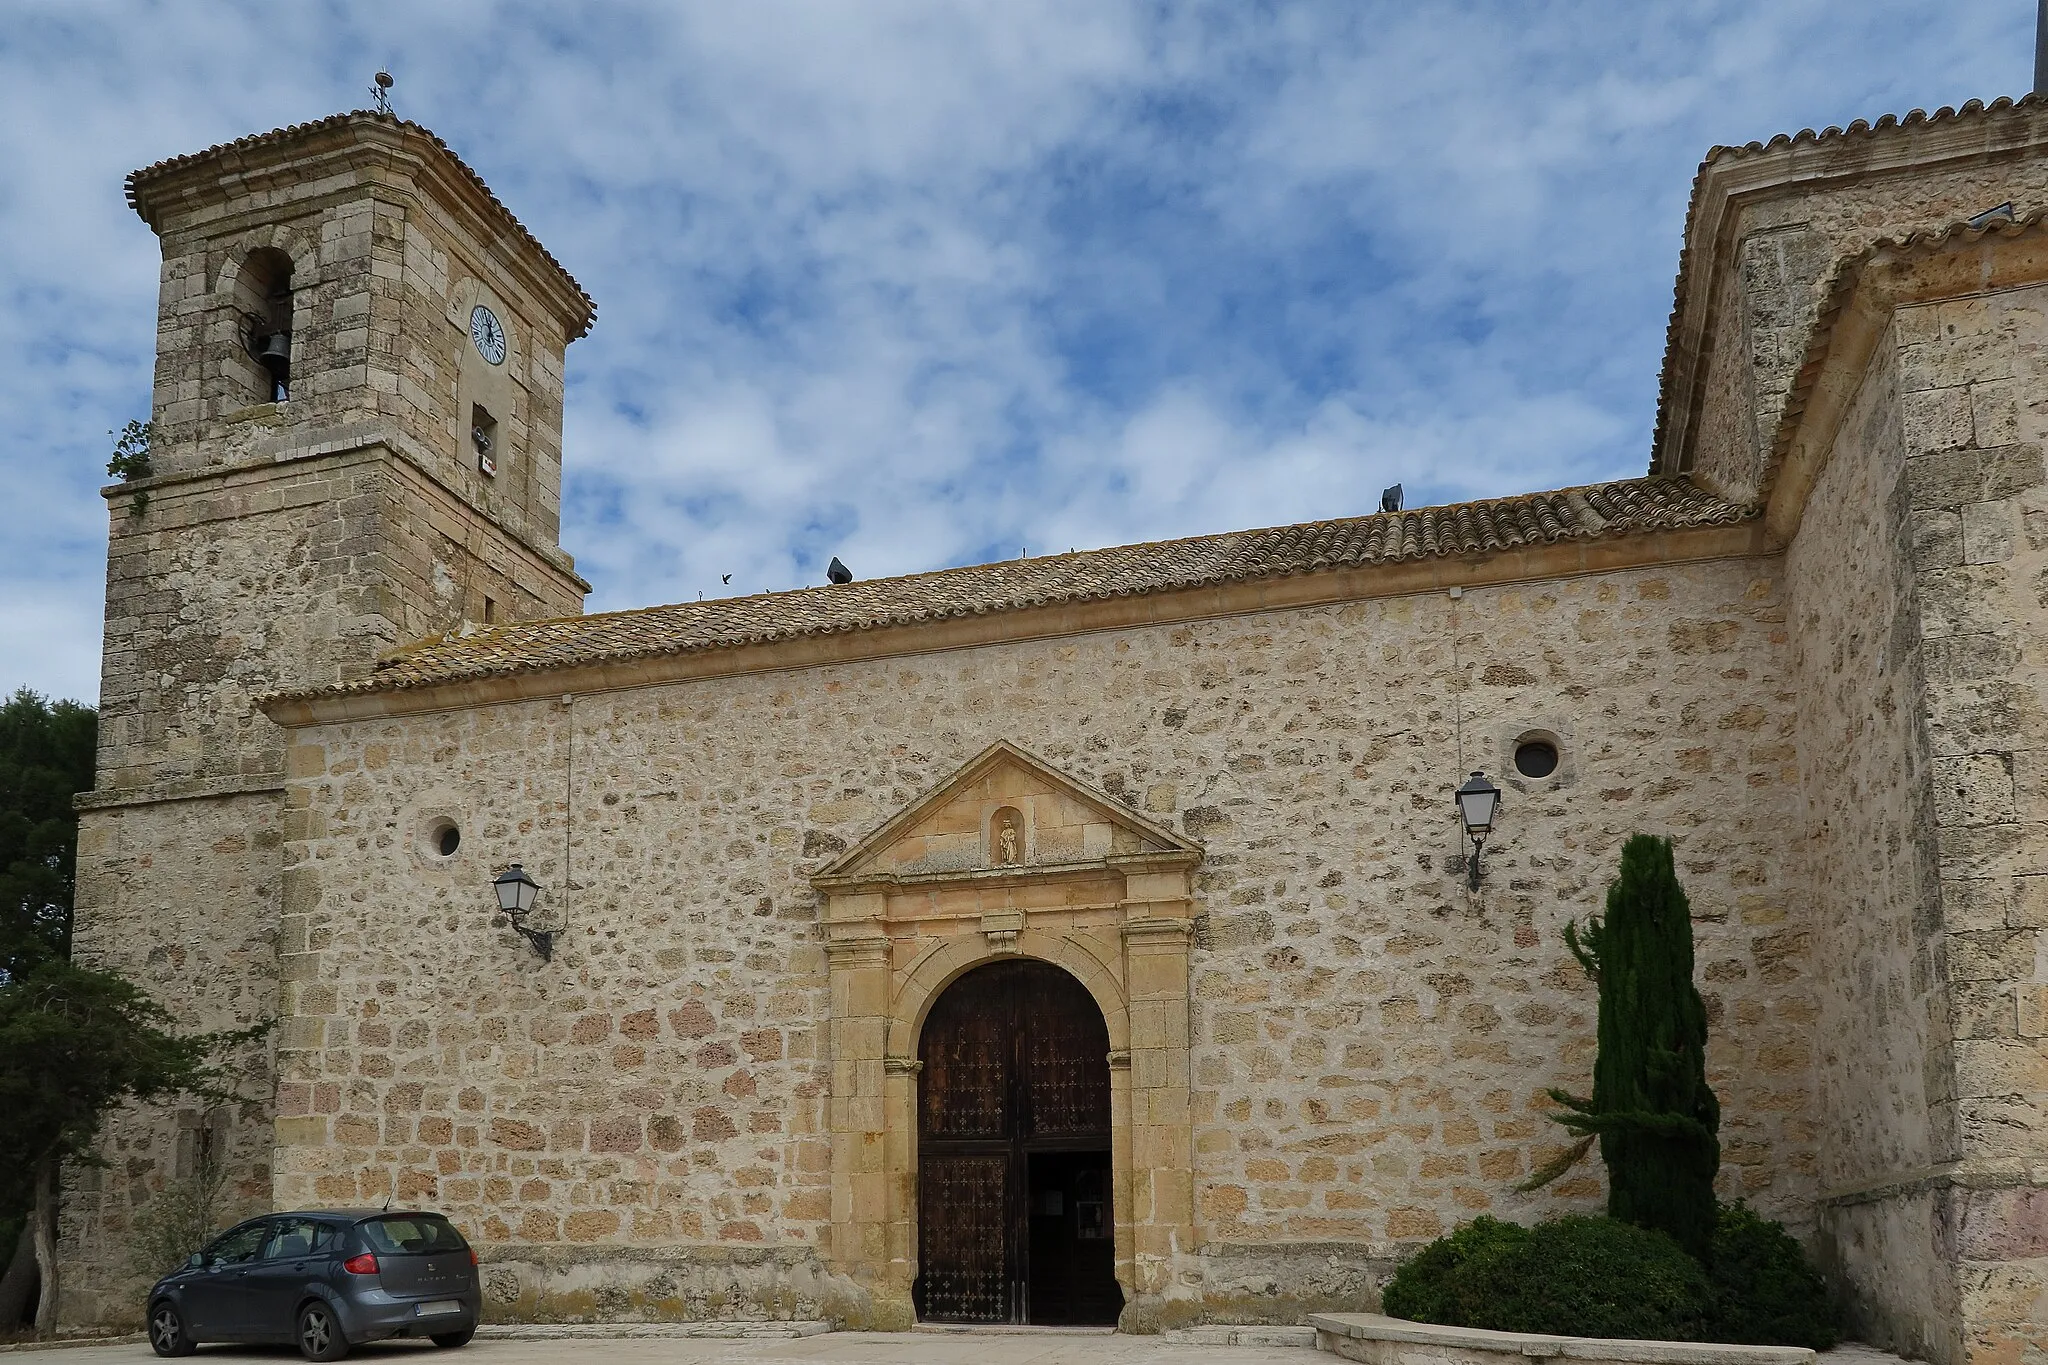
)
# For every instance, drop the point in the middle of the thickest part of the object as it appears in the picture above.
(363, 1264)
(472, 1255)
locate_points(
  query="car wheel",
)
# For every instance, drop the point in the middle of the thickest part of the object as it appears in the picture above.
(167, 1334)
(320, 1335)
(448, 1340)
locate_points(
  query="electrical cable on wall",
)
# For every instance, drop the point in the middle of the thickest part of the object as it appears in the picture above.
(568, 802)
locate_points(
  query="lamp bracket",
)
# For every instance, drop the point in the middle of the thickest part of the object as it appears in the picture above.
(543, 940)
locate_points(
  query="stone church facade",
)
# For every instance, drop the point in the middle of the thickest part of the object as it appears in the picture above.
(1152, 846)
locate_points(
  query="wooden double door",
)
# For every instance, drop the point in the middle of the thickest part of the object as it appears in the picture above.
(1015, 1220)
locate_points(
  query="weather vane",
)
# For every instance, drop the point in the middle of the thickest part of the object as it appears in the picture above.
(381, 92)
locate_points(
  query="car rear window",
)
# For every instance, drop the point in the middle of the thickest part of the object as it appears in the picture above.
(413, 1233)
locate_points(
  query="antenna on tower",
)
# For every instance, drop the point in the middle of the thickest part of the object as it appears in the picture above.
(380, 91)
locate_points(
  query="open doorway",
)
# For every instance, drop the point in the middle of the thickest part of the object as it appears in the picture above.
(1014, 1207)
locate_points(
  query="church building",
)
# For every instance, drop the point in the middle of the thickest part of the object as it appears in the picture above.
(1090, 937)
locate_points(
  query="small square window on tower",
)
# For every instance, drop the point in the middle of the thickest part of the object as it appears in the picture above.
(483, 434)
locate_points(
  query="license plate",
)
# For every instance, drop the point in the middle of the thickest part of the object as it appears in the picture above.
(428, 1310)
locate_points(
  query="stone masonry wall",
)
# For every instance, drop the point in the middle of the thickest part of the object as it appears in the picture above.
(1917, 582)
(1885, 1076)
(295, 574)
(637, 1129)
(1973, 380)
(185, 904)
(220, 590)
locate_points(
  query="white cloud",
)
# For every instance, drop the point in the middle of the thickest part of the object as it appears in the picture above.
(916, 283)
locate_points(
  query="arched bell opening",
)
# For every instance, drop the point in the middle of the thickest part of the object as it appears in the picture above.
(1015, 1209)
(263, 303)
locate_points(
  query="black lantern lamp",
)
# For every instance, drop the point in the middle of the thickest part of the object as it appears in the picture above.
(1477, 800)
(517, 893)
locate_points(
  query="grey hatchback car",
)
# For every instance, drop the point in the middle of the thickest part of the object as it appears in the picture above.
(323, 1281)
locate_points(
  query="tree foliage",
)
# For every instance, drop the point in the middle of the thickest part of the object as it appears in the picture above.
(1652, 1111)
(74, 1043)
(46, 756)
(130, 459)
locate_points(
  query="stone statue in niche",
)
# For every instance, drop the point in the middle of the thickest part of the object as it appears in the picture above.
(1008, 840)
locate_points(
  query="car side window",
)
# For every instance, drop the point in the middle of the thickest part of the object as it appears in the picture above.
(290, 1239)
(238, 1245)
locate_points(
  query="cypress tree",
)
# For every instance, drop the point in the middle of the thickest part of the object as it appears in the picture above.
(1654, 1114)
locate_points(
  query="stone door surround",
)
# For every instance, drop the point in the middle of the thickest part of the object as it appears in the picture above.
(1009, 856)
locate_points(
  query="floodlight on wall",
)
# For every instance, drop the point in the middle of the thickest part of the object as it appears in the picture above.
(1478, 801)
(517, 893)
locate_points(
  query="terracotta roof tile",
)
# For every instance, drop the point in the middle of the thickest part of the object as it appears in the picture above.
(1629, 507)
(139, 181)
(1863, 128)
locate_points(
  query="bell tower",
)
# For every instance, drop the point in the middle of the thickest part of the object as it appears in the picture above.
(357, 442)
(358, 433)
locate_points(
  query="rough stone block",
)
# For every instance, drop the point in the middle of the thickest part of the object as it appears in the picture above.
(1954, 478)
(1976, 789)
(1990, 531)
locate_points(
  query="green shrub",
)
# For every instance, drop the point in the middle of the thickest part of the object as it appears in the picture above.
(1574, 1276)
(1436, 1283)
(1765, 1291)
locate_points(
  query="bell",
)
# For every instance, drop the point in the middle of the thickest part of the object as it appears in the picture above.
(275, 355)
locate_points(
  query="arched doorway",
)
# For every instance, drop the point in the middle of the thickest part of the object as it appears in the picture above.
(1015, 1219)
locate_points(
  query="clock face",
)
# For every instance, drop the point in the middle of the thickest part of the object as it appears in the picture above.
(488, 334)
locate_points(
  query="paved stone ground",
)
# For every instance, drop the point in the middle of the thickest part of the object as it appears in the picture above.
(1021, 1347)
(837, 1348)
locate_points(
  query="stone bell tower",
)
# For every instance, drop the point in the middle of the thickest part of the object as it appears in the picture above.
(358, 415)
(357, 442)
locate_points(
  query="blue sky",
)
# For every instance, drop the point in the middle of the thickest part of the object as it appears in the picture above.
(930, 284)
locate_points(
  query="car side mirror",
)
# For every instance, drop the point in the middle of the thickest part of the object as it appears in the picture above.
(194, 1261)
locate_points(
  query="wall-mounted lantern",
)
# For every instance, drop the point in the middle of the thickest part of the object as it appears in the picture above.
(1477, 800)
(517, 893)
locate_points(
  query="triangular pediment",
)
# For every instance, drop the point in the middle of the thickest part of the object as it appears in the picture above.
(1005, 810)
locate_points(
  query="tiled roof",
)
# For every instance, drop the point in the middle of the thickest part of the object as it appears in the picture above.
(1863, 128)
(1628, 507)
(139, 181)
(1890, 125)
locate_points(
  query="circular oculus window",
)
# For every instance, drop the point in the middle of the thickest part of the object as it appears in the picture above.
(444, 837)
(1536, 757)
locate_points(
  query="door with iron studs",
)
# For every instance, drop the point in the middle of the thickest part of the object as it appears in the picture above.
(1014, 1206)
